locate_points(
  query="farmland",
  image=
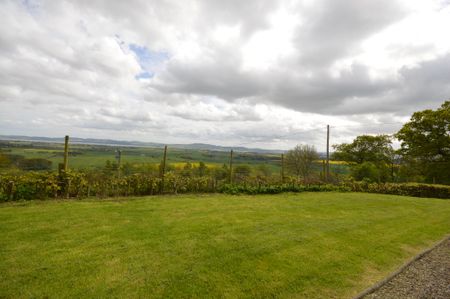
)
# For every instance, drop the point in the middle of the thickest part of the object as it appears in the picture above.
(84, 156)
(314, 245)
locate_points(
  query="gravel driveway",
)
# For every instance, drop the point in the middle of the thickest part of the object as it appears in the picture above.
(428, 277)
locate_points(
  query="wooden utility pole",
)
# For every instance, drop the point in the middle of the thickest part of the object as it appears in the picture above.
(62, 168)
(163, 168)
(231, 167)
(66, 153)
(282, 168)
(328, 153)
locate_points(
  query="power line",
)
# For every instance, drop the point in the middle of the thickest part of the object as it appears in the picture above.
(368, 125)
(291, 135)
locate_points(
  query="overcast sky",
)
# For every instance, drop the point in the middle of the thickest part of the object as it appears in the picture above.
(253, 73)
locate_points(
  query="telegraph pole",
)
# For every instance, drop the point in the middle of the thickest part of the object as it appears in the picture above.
(282, 168)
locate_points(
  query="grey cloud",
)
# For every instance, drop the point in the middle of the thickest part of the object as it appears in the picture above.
(329, 30)
(251, 15)
(135, 116)
(426, 84)
(324, 93)
(423, 86)
(220, 79)
(333, 29)
(214, 112)
(68, 63)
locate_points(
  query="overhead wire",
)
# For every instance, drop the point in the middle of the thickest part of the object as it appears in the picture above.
(289, 135)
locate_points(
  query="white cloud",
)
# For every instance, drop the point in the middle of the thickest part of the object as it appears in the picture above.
(253, 73)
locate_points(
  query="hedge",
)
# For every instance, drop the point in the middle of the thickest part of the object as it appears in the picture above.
(407, 189)
(43, 185)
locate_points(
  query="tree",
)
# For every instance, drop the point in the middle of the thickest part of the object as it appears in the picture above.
(425, 143)
(372, 151)
(365, 148)
(299, 160)
(367, 171)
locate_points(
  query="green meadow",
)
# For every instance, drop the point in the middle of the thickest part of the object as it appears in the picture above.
(84, 156)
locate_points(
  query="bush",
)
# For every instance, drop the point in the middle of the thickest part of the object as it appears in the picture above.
(78, 184)
(275, 189)
(73, 184)
(35, 164)
(407, 189)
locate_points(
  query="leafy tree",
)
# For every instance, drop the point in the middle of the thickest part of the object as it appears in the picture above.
(367, 171)
(365, 148)
(376, 150)
(425, 143)
(299, 160)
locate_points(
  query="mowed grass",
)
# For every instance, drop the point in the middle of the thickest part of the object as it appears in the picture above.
(308, 245)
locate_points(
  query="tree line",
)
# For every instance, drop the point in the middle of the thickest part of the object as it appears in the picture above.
(423, 156)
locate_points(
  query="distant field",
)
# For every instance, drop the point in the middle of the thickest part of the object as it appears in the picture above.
(95, 156)
(91, 156)
(309, 245)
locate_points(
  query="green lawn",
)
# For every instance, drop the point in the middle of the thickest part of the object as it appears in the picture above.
(313, 245)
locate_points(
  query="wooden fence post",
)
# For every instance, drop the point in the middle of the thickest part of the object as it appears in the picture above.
(66, 153)
(324, 170)
(119, 162)
(231, 167)
(10, 190)
(328, 153)
(163, 169)
(62, 170)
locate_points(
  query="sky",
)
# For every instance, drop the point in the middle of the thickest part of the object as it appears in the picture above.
(255, 73)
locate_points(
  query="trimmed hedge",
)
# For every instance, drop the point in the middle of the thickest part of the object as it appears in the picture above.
(275, 189)
(407, 189)
(43, 185)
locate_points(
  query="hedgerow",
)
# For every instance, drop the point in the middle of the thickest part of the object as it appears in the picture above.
(407, 189)
(76, 184)
(275, 189)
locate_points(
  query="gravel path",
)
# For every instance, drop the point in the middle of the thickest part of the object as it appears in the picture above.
(427, 277)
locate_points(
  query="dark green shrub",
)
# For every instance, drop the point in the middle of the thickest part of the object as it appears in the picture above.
(407, 189)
